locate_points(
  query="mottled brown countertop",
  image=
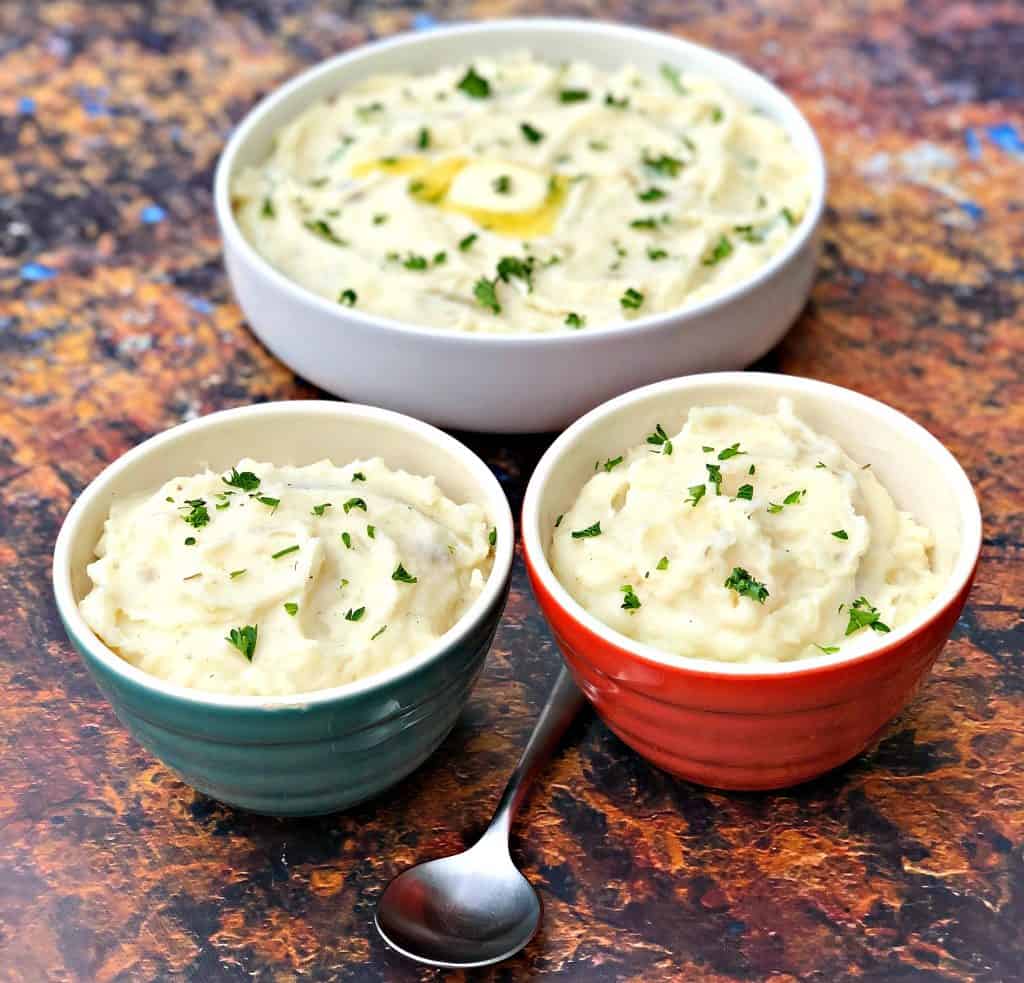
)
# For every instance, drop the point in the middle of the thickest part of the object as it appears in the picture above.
(116, 321)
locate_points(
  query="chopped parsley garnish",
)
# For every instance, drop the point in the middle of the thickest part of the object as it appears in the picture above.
(492, 536)
(597, 145)
(663, 164)
(402, 575)
(267, 211)
(651, 194)
(198, 515)
(346, 538)
(271, 503)
(745, 492)
(466, 243)
(348, 297)
(502, 184)
(864, 615)
(746, 586)
(235, 574)
(751, 469)
(733, 450)
(475, 86)
(621, 103)
(380, 631)
(320, 509)
(371, 531)
(663, 562)
(354, 503)
(716, 114)
(573, 320)
(321, 228)
(827, 649)
(644, 223)
(631, 299)
(794, 497)
(343, 584)
(354, 614)
(588, 533)
(788, 216)
(748, 233)
(245, 480)
(671, 75)
(423, 138)
(821, 464)
(531, 133)
(365, 112)
(380, 218)
(715, 476)
(414, 262)
(441, 257)
(630, 602)
(612, 463)
(291, 607)
(573, 95)
(512, 266)
(697, 492)
(358, 476)
(558, 521)
(223, 505)
(708, 449)
(841, 534)
(284, 552)
(485, 293)
(774, 508)
(655, 254)
(244, 639)
(721, 249)
(190, 540)
(660, 439)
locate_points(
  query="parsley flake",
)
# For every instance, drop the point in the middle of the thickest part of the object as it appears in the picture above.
(651, 194)
(414, 262)
(655, 254)
(588, 533)
(573, 95)
(346, 538)
(267, 211)
(502, 184)
(621, 103)
(323, 230)
(671, 75)
(466, 243)
(788, 216)
(794, 497)
(358, 476)
(235, 574)
(746, 586)
(558, 521)
(291, 607)
(864, 615)
(190, 540)
(320, 509)
(354, 614)
(423, 138)
(403, 576)
(631, 299)
(827, 649)
(245, 480)
(485, 293)
(492, 536)
(715, 476)
(380, 631)
(630, 602)
(663, 562)
(660, 439)
(721, 249)
(284, 552)
(573, 320)
(732, 451)
(841, 534)
(697, 492)
(198, 515)
(612, 463)
(371, 531)
(271, 503)
(348, 297)
(244, 639)
(745, 492)
(354, 503)
(531, 133)
(663, 164)
(475, 86)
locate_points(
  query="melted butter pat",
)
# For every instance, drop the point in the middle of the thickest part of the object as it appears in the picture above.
(529, 208)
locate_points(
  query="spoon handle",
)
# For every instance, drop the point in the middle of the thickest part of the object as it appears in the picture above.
(563, 704)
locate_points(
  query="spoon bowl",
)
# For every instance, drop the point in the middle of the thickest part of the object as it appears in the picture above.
(469, 910)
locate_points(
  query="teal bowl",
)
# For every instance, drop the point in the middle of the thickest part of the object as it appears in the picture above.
(310, 753)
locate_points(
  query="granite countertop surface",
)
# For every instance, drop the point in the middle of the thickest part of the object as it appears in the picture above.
(116, 321)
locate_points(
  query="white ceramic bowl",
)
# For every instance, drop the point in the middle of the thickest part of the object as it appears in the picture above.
(511, 383)
(311, 752)
(756, 725)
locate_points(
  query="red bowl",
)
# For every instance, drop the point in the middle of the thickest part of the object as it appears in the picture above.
(755, 726)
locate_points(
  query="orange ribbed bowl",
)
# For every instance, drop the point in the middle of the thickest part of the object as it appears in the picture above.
(739, 726)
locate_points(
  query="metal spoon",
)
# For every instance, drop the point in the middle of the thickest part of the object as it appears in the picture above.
(476, 908)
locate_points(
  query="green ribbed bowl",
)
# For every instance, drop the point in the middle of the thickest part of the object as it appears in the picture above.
(317, 752)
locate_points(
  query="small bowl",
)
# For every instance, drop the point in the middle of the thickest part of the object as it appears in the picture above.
(316, 752)
(512, 383)
(743, 726)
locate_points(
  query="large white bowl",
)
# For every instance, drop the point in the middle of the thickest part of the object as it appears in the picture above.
(512, 383)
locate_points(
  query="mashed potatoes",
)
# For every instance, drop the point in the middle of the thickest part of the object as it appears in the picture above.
(274, 580)
(513, 195)
(746, 537)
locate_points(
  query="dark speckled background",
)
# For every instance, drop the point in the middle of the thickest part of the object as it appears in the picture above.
(116, 321)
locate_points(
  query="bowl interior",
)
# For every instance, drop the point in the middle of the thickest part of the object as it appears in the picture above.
(923, 478)
(294, 433)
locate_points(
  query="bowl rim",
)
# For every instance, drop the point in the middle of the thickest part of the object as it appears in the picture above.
(236, 242)
(82, 634)
(958, 580)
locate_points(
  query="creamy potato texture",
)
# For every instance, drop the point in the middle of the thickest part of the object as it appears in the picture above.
(512, 195)
(276, 580)
(747, 537)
